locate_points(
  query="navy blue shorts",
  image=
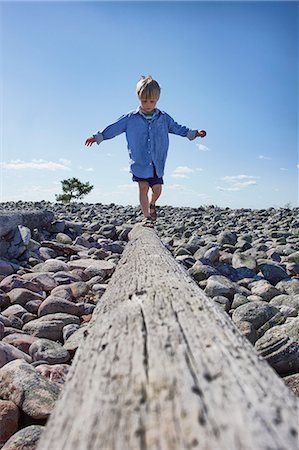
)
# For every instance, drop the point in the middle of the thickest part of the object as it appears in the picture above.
(151, 181)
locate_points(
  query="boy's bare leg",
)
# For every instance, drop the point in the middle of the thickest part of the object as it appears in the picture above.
(143, 197)
(156, 192)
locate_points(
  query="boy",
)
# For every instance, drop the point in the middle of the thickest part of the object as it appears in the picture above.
(146, 131)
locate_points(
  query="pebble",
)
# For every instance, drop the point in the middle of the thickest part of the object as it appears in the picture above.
(246, 260)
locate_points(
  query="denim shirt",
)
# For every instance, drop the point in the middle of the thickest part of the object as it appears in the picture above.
(148, 142)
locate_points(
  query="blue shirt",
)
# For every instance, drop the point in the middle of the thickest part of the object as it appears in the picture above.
(147, 142)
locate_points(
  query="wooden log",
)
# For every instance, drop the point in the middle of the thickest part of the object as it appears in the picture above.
(162, 367)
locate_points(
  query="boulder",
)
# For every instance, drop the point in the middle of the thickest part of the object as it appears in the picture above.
(31, 392)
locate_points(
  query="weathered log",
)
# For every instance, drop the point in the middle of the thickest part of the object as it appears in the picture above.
(162, 367)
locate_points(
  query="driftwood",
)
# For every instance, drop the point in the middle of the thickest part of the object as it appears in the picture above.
(161, 367)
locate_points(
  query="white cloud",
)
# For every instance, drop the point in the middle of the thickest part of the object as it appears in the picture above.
(238, 183)
(264, 157)
(236, 178)
(176, 187)
(35, 164)
(179, 175)
(127, 186)
(283, 168)
(88, 169)
(297, 166)
(65, 162)
(203, 148)
(182, 171)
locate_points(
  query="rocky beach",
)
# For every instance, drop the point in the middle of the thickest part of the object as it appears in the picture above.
(56, 261)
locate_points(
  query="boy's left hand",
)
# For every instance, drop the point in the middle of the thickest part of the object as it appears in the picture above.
(201, 133)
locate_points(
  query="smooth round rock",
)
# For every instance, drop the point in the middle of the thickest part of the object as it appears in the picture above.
(9, 353)
(54, 305)
(25, 439)
(20, 341)
(220, 285)
(280, 347)
(273, 273)
(31, 392)
(21, 296)
(47, 350)
(51, 265)
(257, 313)
(50, 326)
(44, 279)
(265, 290)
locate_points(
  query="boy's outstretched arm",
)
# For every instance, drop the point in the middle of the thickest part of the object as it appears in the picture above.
(109, 132)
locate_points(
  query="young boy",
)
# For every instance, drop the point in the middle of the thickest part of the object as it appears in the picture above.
(146, 131)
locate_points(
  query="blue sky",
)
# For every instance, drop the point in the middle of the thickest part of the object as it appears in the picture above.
(68, 69)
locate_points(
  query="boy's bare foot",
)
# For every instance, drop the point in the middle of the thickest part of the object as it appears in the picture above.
(153, 212)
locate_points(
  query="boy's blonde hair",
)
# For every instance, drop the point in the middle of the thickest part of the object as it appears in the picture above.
(148, 88)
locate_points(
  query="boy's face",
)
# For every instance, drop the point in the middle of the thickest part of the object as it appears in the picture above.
(148, 104)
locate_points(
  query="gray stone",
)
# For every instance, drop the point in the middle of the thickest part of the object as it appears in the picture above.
(212, 254)
(51, 265)
(293, 257)
(47, 350)
(63, 238)
(68, 330)
(50, 326)
(9, 353)
(106, 266)
(257, 313)
(265, 290)
(239, 300)
(220, 285)
(6, 268)
(286, 300)
(201, 271)
(290, 287)
(31, 392)
(21, 296)
(222, 302)
(280, 347)
(25, 439)
(227, 237)
(240, 260)
(273, 273)
(14, 310)
(54, 305)
(45, 280)
(247, 329)
(73, 342)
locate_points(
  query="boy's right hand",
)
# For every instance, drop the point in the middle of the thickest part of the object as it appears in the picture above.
(89, 141)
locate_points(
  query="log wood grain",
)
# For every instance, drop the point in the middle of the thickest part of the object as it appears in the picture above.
(162, 367)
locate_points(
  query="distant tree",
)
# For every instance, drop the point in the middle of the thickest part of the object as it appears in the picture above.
(73, 189)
